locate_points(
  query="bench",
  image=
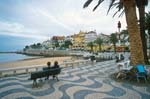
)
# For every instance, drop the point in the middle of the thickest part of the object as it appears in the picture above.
(44, 73)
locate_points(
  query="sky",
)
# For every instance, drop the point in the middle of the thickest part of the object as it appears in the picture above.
(39, 20)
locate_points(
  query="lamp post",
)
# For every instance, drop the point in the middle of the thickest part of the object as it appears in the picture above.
(119, 26)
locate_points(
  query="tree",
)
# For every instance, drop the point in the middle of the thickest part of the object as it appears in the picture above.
(55, 43)
(147, 26)
(124, 34)
(114, 40)
(91, 45)
(137, 55)
(141, 8)
(39, 45)
(129, 7)
(68, 43)
(26, 47)
(147, 22)
(33, 46)
(99, 41)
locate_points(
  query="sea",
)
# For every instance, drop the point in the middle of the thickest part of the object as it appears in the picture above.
(13, 44)
(11, 57)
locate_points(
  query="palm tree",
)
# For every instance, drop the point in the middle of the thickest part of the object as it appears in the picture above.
(99, 41)
(147, 22)
(129, 7)
(114, 40)
(124, 34)
(141, 8)
(147, 26)
(91, 45)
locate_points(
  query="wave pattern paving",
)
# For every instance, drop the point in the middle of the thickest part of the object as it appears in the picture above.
(81, 82)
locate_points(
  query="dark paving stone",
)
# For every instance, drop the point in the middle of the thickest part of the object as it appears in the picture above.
(143, 95)
(25, 98)
(96, 83)
(63, 89)
(82, 93)
(116, 91)
(110, 98)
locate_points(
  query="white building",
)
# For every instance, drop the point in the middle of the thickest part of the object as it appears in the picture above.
(90, 37)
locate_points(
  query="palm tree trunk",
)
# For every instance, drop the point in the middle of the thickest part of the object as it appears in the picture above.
(142, 31)
(137, 56)
(115, 47)
(100, 48)
(91, 48)
(149, 43)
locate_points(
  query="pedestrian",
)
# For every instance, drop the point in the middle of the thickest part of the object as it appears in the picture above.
(117, 59)
(122, 57)
(92, 59)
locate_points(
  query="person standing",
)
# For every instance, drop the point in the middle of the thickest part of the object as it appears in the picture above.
(122, 57)
(92, 59)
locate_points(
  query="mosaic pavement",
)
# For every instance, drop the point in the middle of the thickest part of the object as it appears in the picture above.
(81, 82)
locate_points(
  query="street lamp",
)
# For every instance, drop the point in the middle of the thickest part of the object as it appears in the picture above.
(119, 26)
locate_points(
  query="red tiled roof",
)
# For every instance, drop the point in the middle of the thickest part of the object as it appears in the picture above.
(58, 38)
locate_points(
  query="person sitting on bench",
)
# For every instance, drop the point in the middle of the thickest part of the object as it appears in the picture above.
(55, 66)
(49, 67)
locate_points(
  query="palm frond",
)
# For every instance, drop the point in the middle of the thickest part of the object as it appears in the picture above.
(114, 5)
(119, 7)
(87, 3)
(111, 5)
(121, 14)
(99, 2)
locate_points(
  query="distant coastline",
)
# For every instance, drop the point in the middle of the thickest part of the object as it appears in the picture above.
(5, 52)
(12, 56)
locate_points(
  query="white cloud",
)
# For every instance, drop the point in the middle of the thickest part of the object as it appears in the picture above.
(12, 27)
(48, 18)
(17, 29)
(52, 18)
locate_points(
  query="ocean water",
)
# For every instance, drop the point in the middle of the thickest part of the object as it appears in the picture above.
(12, 43)
(10, 57)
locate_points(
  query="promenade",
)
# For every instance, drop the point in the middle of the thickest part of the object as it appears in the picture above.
(79, 82)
